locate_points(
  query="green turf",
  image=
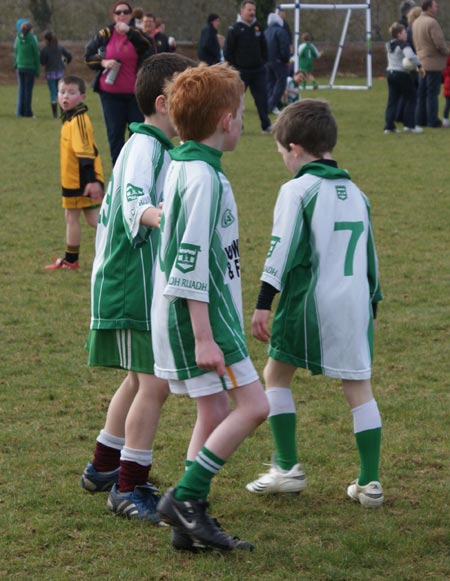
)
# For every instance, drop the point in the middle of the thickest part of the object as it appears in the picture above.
(52, 405)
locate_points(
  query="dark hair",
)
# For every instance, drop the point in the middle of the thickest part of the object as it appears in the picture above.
(26, 28)
(114, 6)
(426, 4)
(50, 37)
(309, 123)
(244, 2)
(73, 80)
(153, 75)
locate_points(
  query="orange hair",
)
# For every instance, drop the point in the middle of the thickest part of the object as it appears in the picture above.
(198, 97)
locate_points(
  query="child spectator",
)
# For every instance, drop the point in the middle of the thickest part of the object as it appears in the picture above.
(198, 338)
(307, 54)
(401, 87)
(54, 58)
(292, 93)
(81, 169)
(126, 244)
(26, 61)
(322, 259)
(446, 76)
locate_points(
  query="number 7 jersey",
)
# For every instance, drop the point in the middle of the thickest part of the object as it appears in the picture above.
(322, 258)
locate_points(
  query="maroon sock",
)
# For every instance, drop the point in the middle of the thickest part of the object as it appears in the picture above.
(105, 458)
(132, 474)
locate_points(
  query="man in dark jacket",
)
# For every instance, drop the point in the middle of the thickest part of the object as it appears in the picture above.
(246, 50)
(208, 49)
(279, 53)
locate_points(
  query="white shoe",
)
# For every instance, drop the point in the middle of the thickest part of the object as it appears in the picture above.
(278, 480)
(387, 131)
(415, 129)
(445, 123)
(276, 111)
(370, 495)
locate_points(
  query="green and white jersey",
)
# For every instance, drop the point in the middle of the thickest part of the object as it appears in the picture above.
(322, 258)
(125, 250)
(199, 260)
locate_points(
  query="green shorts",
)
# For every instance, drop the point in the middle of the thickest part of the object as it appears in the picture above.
(121, 348)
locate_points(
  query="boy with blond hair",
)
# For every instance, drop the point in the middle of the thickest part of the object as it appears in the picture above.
(198, 335)
(322, 259)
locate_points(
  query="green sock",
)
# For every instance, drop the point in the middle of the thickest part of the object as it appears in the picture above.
(283, 428)
(369, 445)
(196, 480)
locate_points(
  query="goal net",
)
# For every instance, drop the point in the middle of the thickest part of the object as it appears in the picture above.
(348, 10)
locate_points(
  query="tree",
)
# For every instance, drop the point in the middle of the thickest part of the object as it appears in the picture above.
(42, 13)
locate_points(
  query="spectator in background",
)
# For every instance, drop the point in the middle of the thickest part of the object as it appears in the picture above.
(54, 58)
(446, 77)
(138, 15)
(246, 50)
(208, 49)
(161, 29)
(400, 82)
(405, 7)
(282, 14)
(307, 54)
(26, 61)
(278, 55)
(119, 48)
(159, 39)
(432, 50)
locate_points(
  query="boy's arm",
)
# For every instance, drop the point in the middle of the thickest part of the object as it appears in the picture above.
(208, 354)
(260, 319)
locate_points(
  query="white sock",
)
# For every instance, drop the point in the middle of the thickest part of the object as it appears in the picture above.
(111, 441)
(141, 457)
(366, 417)
(281, 401)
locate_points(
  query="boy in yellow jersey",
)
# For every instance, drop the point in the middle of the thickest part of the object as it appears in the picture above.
(81, 169)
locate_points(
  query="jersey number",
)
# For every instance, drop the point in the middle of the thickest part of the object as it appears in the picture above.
(356, 229)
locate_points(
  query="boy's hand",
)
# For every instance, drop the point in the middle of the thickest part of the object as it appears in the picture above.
(260, 325)
(152, 217)
(209, 356)
(93, 190)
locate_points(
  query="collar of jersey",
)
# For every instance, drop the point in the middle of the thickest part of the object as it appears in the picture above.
(153, 132)
(68, 115)
(193, 151)
(322, 169)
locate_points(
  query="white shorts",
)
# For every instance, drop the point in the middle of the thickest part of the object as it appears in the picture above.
(236, 375)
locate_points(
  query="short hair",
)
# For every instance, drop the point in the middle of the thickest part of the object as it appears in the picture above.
(198, 97)
(154, 74)
(395, 29)
(308, 123)
(426, 4)
(73, 80)
(149, 15)
(307, 37)
(244, 2)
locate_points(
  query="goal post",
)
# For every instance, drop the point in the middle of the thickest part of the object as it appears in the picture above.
(349, 8)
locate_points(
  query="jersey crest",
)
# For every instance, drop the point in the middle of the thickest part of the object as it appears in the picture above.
(187, 257)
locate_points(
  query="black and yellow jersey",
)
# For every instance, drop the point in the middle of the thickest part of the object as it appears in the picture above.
(80, 160)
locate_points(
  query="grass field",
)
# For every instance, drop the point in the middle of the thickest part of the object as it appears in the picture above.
(52, 405)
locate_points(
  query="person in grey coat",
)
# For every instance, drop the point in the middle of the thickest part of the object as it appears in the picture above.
(277, 66)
